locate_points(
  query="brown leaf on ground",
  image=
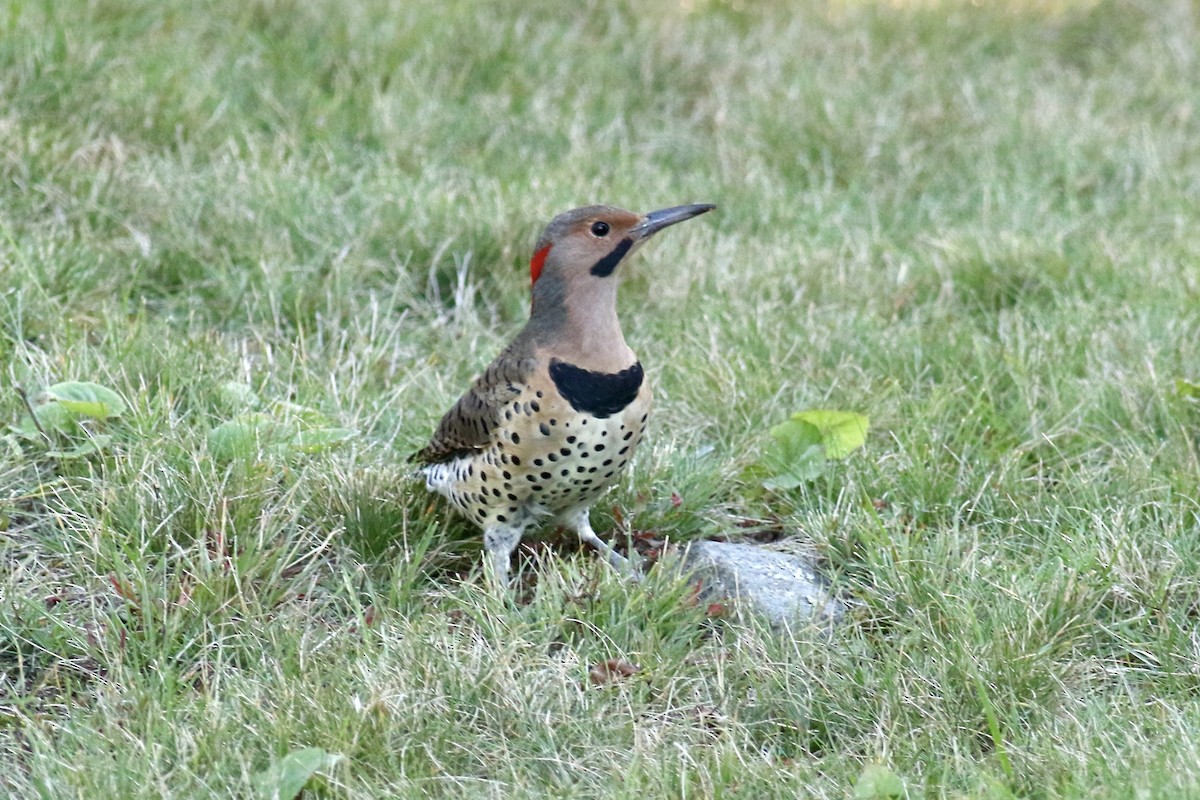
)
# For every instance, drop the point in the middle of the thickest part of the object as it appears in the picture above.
(618, 517)
(612, 670)
(123, 591)
(370, 615)
(647, 544)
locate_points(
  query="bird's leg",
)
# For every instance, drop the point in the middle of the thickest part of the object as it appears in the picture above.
(499, 541)
(580, 522)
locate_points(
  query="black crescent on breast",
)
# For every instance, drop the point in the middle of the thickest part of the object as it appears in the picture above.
(600, 394)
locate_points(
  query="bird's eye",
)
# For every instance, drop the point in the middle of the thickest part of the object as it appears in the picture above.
(600, 229)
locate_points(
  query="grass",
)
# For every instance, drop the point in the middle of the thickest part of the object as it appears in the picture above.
(975, 224)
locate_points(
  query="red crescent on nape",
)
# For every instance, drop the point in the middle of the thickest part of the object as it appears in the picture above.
(536, 263)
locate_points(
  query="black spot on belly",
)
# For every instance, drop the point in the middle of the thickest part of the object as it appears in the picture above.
(600, 394)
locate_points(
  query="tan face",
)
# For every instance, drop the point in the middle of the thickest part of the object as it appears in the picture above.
(598, 243)
(578, 240)
(595, 240)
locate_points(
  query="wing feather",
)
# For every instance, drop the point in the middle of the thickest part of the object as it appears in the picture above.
(470, 425)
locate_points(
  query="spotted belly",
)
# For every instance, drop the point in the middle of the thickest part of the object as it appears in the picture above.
(542, 463)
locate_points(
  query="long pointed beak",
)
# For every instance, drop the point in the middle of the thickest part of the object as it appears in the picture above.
(655, 221)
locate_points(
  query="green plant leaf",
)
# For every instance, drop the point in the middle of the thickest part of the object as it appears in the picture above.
(796, 455)
(12, 444)
(842, 432)
(247, 435)
(320, 439)
(88, 399)
(307, 417)
(877, 782)
(54, 418)
(287, 777)
(1189, 390)
(93, 444)
(788, 480)
(237, 396)
(802, 446)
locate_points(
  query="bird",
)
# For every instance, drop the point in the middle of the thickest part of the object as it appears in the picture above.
(554, 420)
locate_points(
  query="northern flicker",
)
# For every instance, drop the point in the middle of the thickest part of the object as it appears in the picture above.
(555, 419)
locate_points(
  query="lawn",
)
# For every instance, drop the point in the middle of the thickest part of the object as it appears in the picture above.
(974, 222)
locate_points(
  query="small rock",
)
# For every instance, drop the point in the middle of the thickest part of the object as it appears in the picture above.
(785, 588)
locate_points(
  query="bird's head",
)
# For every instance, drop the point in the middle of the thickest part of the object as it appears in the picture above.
(579, 251)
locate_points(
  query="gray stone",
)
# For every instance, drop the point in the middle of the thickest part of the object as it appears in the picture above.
(785, 588)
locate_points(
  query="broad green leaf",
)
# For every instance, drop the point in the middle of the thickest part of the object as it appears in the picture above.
(54, 418)
(796, 455)
(287, 777)
(794, 439)
(246, 435)
(93, 444)
(877, 782)
(308, 417)
(789, 480)
(320, 439)
(1187, 389)
(237, 396)
(88, 399)
(12, 445)
(842, 432)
